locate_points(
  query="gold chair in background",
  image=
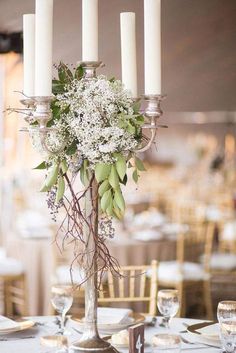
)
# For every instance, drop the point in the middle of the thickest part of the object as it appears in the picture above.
(191, 268)
(134, 286)
(14, 294)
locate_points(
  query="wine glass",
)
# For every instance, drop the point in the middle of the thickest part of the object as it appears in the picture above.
(226, 310)
(62, 299)
(226, 314)
(168, 304)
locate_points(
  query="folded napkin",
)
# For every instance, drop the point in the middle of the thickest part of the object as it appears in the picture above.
(113, 316)
(7, 324)
(211, 331)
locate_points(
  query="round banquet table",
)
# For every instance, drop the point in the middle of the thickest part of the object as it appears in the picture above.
(130, 251)
(36, 254)
(46, 326)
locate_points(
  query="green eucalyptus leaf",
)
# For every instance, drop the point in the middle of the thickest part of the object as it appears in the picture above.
(84, 173)
(139, 164)
(113, 177)
(103, 187)
(60, 189)
(109, 210)
(102, 171)
(119, 200)
(64, 73)
(121, 166)
(52, 176)
(130, 128)
(42, 165)
(79, 72)
(124, 181)
(57, 87)
(44, 188)
(72, 149)
(137, 106)
(135, 176)
(64, 166)
(106, 200)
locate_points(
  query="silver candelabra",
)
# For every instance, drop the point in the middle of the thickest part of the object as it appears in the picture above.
(38, 109)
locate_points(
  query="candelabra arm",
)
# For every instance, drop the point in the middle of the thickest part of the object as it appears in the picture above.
(152, 112)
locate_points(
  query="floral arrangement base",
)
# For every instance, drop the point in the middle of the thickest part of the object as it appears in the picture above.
(93, 345)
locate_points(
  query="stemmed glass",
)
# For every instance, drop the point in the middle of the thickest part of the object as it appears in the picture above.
(62, 299)
(226, 314)
(168, 304)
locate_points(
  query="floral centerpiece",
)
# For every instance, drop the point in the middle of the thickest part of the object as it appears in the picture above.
(94, 130)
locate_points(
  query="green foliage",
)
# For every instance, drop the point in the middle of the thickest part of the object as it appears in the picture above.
(52, 176)
(106, 200)
(84, 172)
(119, 200)
(79, 72)
(113, 177)
(139, 164)
(135, 176)
(121, 166)
(102, 171)
(103, 187)
(60, 189)
(42, 165)
(71, 149)
(64, 73)
(64, 166)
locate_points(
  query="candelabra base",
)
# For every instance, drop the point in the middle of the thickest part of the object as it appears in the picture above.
(93, 345)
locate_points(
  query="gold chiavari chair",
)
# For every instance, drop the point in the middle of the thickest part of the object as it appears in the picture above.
(191, 268)
(14, 294)
(132, 286)
(223, 258)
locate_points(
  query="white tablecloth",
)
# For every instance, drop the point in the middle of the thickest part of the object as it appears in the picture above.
(33, 345)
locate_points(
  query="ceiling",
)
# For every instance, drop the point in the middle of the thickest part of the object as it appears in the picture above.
(198, 45)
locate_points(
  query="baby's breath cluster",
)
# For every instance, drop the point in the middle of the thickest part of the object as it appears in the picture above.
(93, 111)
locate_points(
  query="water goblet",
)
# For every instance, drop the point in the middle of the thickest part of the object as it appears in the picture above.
(62, 299)
(168, 304)
(226, 314)
(226, 310)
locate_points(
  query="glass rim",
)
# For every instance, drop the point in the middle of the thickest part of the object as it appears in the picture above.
(62, 289)
(163, 293)
(230, 303)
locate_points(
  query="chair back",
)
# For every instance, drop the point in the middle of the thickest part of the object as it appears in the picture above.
(196, 244)
(132, 286)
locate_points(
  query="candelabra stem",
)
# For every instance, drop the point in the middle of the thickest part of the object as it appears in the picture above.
(90, 341)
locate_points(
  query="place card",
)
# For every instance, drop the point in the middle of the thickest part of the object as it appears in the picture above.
(136, 339)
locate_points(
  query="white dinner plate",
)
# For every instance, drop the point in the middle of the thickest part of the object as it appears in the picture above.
(23, 325)
(133, 319)
(204, 330)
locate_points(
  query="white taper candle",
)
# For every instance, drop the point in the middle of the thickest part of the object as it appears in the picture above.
(43, 47)
(29, 53)
(90, 30)
(128, 52)
(152, 40)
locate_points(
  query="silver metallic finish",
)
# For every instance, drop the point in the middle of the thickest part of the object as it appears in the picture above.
(42, 111)
(90, 68)
(153, 108)
(152, 112)
(90, 340)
